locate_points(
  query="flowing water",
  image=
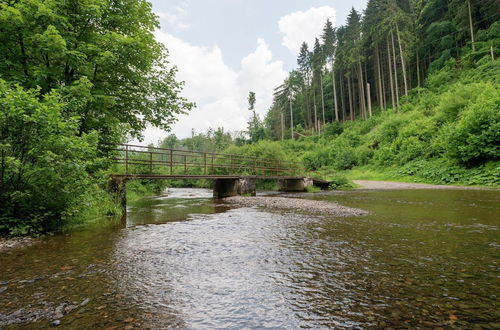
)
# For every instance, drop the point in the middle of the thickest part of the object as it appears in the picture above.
(419, 259)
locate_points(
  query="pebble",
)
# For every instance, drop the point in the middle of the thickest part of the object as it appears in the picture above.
(296, 204)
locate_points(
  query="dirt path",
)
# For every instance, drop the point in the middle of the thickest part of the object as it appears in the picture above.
(386, 185)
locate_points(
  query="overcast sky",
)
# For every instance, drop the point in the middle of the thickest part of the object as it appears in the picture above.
(225, 48)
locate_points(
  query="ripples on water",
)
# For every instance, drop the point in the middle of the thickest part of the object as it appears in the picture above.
(420, 259)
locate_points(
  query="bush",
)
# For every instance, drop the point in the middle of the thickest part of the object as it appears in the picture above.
(475, 138)
(318, 158)
(44, 163)
(332, 129)
(338, 182)
(344, 159)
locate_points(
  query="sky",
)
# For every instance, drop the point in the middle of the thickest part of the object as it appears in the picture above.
(225, 48)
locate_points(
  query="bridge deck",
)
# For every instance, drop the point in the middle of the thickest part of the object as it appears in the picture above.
(212, 177)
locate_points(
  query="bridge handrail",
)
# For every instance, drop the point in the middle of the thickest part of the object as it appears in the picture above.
(200, 152)
(208, 161)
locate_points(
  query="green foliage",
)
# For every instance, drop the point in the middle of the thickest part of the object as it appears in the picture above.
(339, 181)
(261, 149)
(332, 129)
(447, 134)
(74, 75)
(313, 189)
(101, 55)
(44, 164)
(475, 137)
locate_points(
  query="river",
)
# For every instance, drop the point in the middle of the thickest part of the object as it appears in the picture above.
(421, 258)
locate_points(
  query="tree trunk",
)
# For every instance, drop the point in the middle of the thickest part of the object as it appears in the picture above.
(471, 27)
(291, 115)
(393, 100)
(342, 97)
(361, 87)
(315, 111)
(369, 99)
(336, 107)
(350, 98)
(418, 70)
(282, 127)
(396, 87)
(403, 67)
(379, 78)
(322, 96)
(307, 104)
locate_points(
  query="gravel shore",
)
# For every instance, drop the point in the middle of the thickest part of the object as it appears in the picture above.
(296, 204)
(15, 242)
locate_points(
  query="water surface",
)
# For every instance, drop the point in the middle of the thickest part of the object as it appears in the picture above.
(419, 259)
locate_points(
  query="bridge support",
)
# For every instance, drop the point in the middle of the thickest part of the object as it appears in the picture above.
(234, 187)
(295, 184)
(117, 187)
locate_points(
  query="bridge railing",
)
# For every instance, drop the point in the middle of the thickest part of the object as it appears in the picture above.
(141, 160)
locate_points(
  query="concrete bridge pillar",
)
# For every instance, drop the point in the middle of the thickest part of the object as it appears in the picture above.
(295, 184)
(228, 187)
(118, 188)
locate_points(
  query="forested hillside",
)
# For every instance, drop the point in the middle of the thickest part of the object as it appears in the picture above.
(406, 89)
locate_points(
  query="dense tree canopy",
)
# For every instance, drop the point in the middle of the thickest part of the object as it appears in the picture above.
(100, 54)
(74, 75)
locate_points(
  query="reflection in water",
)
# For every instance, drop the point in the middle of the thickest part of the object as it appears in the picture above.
(420, 259)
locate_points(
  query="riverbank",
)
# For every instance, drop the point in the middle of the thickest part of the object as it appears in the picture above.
(392, 185)
(296, 204)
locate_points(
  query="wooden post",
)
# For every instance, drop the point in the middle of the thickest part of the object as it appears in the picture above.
(126, 160)
(492, 53)
(171, 161)
(151, 163)
(205, 163)
(185, 164)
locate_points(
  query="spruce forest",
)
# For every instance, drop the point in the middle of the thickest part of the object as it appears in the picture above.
(407, 90)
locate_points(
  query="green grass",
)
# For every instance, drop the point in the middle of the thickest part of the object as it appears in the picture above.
(395, 174)
(313, 189)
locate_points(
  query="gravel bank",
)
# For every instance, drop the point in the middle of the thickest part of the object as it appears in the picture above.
(296, 204)
(16, 242)
(387, 185)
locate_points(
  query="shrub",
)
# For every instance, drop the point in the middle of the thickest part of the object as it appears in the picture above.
(44, 162)
(338, 181)
(344, 159)
(475, 138)
(332, 129)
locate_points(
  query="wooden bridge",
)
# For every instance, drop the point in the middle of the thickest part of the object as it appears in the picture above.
(232, 174)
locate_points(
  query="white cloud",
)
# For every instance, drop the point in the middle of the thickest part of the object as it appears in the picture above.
(304, 26)
(219, 91)
(176, 20)
(173, 20)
